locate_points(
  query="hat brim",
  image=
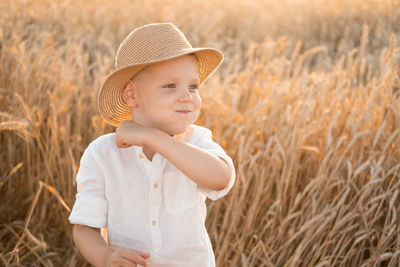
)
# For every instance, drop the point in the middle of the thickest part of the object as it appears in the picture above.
(112, 107)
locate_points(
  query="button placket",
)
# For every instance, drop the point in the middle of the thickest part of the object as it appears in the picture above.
(151, 169)
(155, 203)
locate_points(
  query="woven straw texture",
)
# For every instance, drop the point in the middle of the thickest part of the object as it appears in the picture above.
(147, 45)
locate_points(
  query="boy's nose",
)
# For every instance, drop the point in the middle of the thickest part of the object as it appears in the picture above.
(185, 96)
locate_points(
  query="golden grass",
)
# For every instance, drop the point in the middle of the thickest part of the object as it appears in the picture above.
(306, 103)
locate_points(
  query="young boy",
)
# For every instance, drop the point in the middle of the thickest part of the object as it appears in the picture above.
(148, 181)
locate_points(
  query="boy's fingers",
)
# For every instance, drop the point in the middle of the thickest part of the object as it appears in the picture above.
(133, 256)
(144, 255)
(126, 263)
(120, 143)
(123, 145)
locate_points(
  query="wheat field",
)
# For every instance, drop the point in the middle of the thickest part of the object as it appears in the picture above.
(307, 104)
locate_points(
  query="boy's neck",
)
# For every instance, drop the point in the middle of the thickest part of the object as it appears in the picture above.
(148, 152)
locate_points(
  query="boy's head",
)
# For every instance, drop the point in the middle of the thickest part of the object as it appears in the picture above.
(165, 95)
(156, 52)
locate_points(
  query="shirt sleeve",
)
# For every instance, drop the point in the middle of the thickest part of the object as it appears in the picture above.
(90, 206)
(206, 142)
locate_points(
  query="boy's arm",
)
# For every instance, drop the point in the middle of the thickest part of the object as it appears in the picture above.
(205, 169)
(91, 244)
(95, 250)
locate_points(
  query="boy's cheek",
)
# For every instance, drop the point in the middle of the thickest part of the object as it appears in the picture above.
(198, 102)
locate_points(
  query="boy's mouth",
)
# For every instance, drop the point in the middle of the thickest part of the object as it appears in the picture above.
(184, 111)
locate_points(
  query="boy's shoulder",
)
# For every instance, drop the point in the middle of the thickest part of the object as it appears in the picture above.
(200, 129)
(197, 133)
(103, 142)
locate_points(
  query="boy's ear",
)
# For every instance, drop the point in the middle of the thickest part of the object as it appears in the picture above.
(129, 94)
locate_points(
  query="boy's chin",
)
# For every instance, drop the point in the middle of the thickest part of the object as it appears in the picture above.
(175, 131)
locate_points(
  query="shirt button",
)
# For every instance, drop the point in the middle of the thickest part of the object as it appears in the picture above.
(155, 185)
(140, 156)
(154, 222)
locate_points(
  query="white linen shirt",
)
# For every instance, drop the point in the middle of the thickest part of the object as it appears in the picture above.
(149, 206)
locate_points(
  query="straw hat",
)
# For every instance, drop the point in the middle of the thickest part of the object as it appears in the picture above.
(147, 45)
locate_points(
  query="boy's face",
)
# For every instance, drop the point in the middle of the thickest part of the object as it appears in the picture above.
(165, 95)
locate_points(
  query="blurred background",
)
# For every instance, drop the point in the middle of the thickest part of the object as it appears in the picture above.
(306, 103)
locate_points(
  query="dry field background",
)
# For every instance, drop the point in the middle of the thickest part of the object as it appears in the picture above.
(307, 103)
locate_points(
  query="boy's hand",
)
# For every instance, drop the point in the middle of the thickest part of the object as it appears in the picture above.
(126, 257)
(129, 133)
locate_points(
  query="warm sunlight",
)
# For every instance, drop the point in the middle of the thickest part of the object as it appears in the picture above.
(306, 104)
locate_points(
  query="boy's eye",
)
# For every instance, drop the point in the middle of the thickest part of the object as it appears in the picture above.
(170, 85)
(193, 86)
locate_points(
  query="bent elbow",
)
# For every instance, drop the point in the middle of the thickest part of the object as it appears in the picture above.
(223, 180)
(221, 186)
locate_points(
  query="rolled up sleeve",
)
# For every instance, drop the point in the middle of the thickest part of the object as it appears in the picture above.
(206, 142)
(90, 206)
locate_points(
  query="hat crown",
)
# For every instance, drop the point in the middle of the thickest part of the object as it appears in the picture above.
(152, 42)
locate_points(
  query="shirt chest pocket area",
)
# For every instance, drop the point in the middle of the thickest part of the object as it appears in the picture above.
(180, 193)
